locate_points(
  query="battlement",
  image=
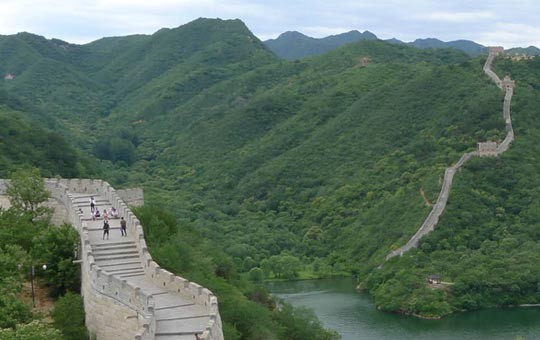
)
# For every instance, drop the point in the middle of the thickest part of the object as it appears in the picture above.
(487, 149)
(496, 50)
(117, 306)
(508, 83)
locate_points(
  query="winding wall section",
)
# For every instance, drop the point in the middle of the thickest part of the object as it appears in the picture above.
(126, 294)
(432, 220)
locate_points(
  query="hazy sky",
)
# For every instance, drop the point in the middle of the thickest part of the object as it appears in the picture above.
(508, 23)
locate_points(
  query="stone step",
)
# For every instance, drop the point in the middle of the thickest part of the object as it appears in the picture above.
(134, 274)
(190, 325)
(175, 312)
(108, 243)
(86, 201)
(176, 337)
(146, 285)
(139, 271)
(114, 252)
(114, 270)
(86, 205)
(169, 300)
(104, 263)
(177, 317)
(115, 247)
(101, 228)
(116, 257)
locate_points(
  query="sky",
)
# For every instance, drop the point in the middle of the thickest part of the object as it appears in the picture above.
(508, 23)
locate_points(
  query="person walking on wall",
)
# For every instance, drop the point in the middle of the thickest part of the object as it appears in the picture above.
(106, 228)
(123, 227)
(92, 204)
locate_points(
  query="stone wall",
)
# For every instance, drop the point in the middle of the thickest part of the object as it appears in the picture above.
(484, 149)
(108, 297)
(132, 196)
(115, 309)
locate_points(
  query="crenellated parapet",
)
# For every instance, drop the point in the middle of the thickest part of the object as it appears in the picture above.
(117, 308)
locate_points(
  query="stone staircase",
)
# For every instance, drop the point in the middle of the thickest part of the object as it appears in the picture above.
(176, 316)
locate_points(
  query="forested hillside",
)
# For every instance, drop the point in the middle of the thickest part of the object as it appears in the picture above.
(312, 167)
(487, 243)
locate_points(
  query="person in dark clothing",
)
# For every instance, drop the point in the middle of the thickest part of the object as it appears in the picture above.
(123, 227)
(106, 228)
(92, 204)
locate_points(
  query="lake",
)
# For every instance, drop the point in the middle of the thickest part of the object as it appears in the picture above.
(340, 307)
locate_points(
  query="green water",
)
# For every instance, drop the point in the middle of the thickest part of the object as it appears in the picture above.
(354, 316)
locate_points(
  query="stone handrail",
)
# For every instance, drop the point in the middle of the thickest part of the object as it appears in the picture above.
(432, 220)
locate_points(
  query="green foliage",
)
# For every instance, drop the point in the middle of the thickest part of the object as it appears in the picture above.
(256, 274)
(26, 244)
(35, 330)
(116, 149)
(486, 244)
(247, 312)
(26, 192)
(24, 143)
(284, 266)
(323, 164)
(12, 310)
(68, 315)
(56, 246)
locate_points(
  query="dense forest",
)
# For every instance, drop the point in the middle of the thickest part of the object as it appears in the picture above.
(306, 168)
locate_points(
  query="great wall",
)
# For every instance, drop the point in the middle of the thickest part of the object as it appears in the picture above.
(129, 296)
(126, 294)
(484, 149)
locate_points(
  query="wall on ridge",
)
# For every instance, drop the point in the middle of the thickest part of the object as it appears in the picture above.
(108, 292)
(113, 309)
(432, 220)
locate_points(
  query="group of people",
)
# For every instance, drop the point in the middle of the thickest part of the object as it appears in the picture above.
(106, 227)
(112, 213)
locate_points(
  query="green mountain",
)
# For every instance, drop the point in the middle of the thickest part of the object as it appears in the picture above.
(467, 46)
(312, 167)
(25, 143)
(295, 45)
(527, 51)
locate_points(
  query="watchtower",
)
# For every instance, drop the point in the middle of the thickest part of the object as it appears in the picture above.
(508, 83)
(496, 50)
(9, 76)
(487, 149)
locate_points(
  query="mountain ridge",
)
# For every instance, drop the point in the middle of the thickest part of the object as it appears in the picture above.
(293, 45)
(318, 161)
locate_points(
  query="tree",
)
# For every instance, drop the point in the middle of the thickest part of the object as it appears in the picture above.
(56, 246)
(68, 315)
(35, 330)
(256, 274)
(27, 192)
(12, 309)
